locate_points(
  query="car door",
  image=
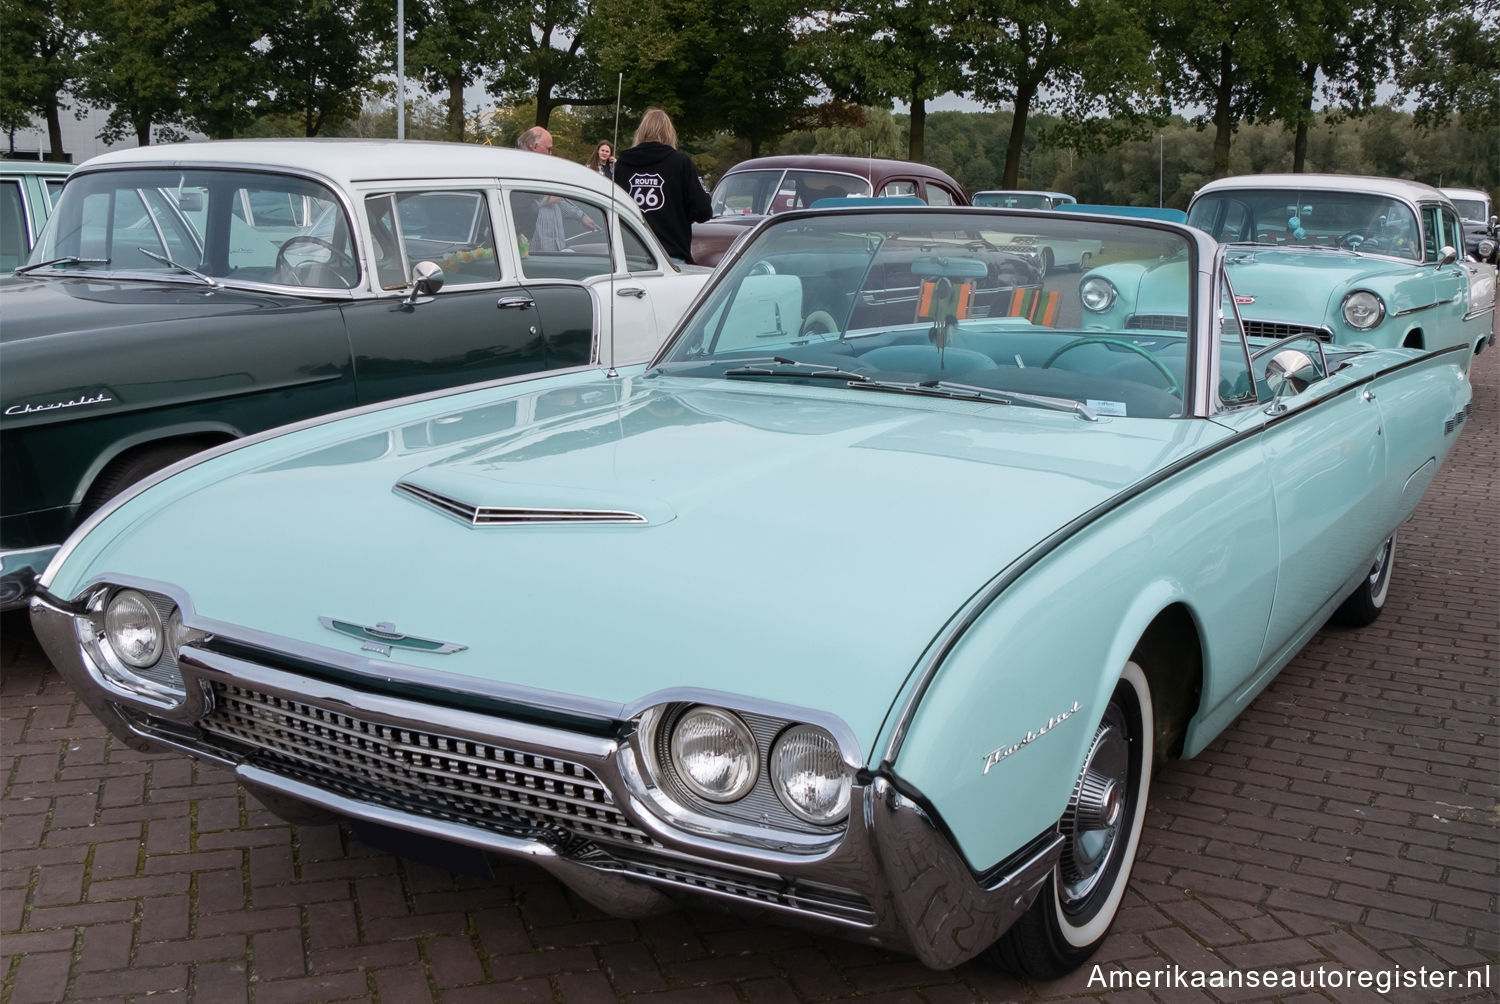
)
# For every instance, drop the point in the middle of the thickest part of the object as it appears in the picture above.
(1324, 450)
(563, 240)
(473, 328)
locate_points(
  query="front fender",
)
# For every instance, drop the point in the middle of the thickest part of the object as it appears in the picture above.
(1004, 720)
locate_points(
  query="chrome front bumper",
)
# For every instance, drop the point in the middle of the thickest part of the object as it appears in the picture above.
(566, 801)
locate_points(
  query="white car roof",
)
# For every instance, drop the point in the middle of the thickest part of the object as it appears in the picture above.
(1477, 195)
(1411, 191)
(360, 161)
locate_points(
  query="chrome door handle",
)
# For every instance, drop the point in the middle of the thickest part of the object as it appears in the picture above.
(634, 291)
(515, 303)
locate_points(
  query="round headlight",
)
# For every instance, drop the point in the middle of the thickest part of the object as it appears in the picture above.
(809, 775)
(1363, 310)
(1096, 293)
(714, 754)
(1486, 247)
(132, 627)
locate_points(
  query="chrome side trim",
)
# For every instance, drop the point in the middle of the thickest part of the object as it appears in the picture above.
(481, 515)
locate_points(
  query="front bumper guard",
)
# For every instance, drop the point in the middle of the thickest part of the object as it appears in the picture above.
(924, 897)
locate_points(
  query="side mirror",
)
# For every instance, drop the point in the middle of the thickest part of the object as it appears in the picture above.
(1289, 373)
(426, 279)
(1447, 256)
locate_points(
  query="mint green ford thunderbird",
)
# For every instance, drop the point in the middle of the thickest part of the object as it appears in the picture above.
(870, 602)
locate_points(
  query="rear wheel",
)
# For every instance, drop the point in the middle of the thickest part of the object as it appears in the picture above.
(1101, 829)
(1366, 602)
(127, 469)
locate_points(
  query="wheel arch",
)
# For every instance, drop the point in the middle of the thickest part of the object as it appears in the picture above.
(122, 450)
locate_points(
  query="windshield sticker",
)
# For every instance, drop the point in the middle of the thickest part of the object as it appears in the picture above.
(1116, 408)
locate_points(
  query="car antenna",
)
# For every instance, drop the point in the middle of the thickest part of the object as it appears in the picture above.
(615, 150)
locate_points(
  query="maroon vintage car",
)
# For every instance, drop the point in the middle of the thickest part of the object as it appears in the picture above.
(760, 187)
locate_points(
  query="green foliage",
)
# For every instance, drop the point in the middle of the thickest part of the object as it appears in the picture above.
(1453, 66)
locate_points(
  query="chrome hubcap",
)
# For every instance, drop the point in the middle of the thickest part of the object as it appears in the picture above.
(1094, 823)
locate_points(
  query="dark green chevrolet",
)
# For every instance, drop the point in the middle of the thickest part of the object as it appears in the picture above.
(184, 296)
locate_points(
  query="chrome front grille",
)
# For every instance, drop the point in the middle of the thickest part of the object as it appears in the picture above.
(1277, 330)
(419, 772)
(1158, 322)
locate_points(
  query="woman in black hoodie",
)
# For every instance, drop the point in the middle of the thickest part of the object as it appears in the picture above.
(665, 184)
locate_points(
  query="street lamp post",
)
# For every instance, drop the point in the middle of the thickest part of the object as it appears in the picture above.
(400, 69)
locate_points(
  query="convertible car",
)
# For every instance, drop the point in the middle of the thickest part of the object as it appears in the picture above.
(870, 603)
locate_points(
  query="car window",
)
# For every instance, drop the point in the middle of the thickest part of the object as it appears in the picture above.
(208, 220)
(451, 229)
(1362, 221)
(54, 189)
(559, 237)
(638, 256)
(763, 192)
(897, 188)
(1451, 231)
(1236, 385)
(937, 195)
(14, 237)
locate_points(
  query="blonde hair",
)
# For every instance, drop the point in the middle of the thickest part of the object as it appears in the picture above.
(656, 127)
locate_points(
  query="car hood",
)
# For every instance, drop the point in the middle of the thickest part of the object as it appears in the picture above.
(793, 546)
(55, 305)
(1307, 286)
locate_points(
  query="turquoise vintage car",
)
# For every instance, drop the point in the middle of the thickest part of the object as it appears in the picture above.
(869, 603)
(1354, 260)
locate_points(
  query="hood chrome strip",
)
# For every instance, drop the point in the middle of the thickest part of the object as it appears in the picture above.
(479, 515)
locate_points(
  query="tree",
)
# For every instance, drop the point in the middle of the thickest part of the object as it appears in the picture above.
(454, 44)
(1452, 64)
(712, 66)
(1338, 51)
(39, 49)
(1222, 56)
(320, 62)
(1083, 58)
(547, 57)
(873, 51)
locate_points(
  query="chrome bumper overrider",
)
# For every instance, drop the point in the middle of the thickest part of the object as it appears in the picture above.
(568, 802)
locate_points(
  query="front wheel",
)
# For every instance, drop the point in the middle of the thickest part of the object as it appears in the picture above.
(1366, 602)
(1101, 829)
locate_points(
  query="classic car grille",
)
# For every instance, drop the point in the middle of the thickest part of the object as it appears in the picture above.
(479, 515)
(1273, 330)
(1277, 330)
(1158, 322)
(419, 772)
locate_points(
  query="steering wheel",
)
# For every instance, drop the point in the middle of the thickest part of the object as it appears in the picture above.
(1172, 386)
(1353, 239)
(336, 257)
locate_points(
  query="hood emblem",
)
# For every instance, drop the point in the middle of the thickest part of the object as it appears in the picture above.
(383, 637)
(1242, 299)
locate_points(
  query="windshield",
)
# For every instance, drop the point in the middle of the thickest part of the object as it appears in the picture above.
(1013, 200)
(234, 226)
(1472, 209)
(1354, 221)
(956, 303)
(761, 193)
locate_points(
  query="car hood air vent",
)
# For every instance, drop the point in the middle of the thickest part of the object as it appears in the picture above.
(482, 502)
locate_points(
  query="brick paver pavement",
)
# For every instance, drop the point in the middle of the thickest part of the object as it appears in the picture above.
(1347, 821)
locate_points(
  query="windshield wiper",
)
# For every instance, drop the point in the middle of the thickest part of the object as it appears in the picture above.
(782, 366)
(969, 392)
(69, 259)
(212, 282)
